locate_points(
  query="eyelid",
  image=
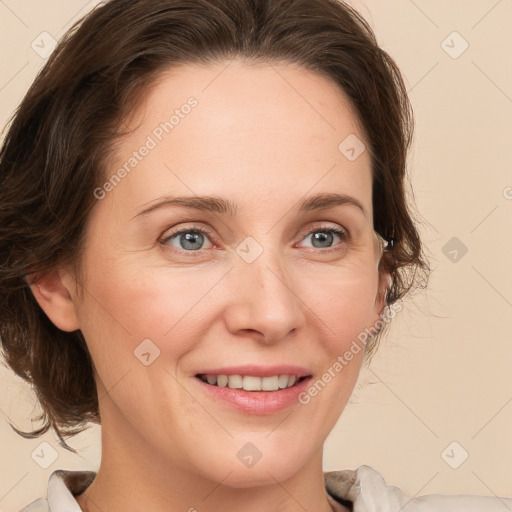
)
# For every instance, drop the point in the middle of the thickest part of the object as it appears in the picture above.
(337, 229)
(193, 227)
(319, 226)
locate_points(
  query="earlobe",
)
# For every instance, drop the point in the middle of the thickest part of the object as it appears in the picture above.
(55, 299)
(385, 283)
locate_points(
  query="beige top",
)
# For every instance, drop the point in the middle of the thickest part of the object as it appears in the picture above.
(362, 489)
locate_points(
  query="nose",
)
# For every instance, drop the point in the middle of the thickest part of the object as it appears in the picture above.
(263, 303)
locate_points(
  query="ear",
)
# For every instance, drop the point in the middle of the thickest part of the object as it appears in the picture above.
(385, 282)
(52, 291)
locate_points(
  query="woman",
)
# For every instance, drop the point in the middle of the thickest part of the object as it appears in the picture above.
(203, 215)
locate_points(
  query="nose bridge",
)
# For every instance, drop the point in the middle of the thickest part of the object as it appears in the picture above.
(267, 300)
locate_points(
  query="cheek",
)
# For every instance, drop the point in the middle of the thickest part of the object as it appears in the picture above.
(141, 303)
(125, 306)
(344, 308)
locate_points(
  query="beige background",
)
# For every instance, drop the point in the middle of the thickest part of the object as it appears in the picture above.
(443, 373)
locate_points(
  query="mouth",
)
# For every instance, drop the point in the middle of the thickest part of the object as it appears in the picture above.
(252, 382)
(254, 389)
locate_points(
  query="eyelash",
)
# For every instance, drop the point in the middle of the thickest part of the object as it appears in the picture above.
(342, 233)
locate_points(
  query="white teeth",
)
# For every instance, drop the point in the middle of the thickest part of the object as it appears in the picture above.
(235, 381)
(270, 383)
(250, 382)
(222, 381)
(283, 381)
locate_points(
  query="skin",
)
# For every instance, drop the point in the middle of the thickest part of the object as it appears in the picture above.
(166, 445)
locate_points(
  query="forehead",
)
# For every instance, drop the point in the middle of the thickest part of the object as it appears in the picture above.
(264, 132)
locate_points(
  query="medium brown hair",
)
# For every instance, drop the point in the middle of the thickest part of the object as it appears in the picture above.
(55, 150)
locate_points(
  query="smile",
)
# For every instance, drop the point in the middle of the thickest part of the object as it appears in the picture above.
(251, 382)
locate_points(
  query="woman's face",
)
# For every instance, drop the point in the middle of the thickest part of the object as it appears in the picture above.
(264, 291)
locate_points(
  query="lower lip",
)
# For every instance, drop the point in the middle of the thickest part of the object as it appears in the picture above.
(257, 402)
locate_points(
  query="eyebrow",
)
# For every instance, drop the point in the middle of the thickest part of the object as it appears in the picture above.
(223, 206)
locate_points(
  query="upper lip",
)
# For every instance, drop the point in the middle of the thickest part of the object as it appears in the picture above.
(257, 370)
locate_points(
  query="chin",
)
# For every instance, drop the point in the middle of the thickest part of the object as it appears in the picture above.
(261, 474)
(259, 462)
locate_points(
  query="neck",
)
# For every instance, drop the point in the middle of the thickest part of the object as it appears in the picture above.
(134, 476)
